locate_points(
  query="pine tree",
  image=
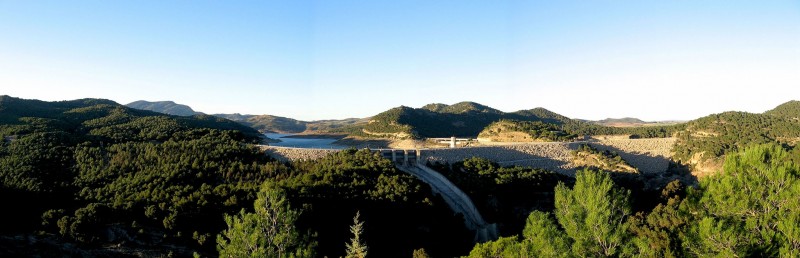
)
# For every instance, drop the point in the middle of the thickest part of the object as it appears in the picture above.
(420, 253)
(751, 208)
(356, 248)
(593, 214)
(542, 237)
(269, 232)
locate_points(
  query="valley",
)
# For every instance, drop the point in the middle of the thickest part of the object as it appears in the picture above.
(162, 183)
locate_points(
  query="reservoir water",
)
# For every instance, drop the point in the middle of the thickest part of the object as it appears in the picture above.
(298, 142)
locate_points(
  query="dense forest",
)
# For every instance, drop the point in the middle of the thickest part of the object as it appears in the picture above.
(713, 136)
(751, 209)
(92, 178)
(107, 180)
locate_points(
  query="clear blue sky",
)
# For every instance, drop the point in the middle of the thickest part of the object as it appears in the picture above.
(654, 60)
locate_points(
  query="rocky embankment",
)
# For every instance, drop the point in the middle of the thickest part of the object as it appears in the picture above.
(553, 156)
(292, 154)
(648, 155)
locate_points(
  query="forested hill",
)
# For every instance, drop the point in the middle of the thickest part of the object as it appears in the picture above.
(166, 107)
(627, 120)
(468, 119)
(262, 123)
(464, 119)
(92, 178)
(789, 110)
(706, 140)
(278, 124)
(268, 123)
(104, 120)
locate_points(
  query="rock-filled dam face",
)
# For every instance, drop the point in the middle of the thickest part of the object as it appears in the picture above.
(648, 155)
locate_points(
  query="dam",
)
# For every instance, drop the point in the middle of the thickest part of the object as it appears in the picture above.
(648, 155)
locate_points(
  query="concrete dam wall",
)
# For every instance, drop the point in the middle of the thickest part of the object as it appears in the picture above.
(648, 155)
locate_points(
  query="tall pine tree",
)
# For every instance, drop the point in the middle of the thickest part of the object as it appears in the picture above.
(356, 248)
(269, 232)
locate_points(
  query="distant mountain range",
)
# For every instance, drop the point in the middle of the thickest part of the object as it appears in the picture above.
(277, 124)
(701, 143)
(463, 119)
(262, 123)
(117, 121)
(625, 120)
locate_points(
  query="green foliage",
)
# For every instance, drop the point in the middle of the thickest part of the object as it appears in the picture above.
(420, 253)
(591, 223)
(543, 238)
(504, 195)
(93, 166)
(166, 107)
(37, 162)
(356, 248)
(593, 214)
(172, 184)
(789, 110)
(268, 232)
(590, 157)
(730, 132)
(500, 248)
(355, 174)
(399, 206)
(85, 225)
(658, 233)
(268, 123)
(749, 209)
(537, 130)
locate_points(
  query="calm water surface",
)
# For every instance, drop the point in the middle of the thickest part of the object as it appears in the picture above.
(303, 142)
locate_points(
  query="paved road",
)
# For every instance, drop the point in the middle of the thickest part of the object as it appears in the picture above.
(458, 201)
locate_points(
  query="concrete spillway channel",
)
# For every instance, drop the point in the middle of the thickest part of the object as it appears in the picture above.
(458, 201)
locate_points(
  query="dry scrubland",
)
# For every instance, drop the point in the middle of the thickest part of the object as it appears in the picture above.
(648, 155)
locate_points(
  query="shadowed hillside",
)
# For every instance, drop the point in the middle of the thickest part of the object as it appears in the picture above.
(277, 124)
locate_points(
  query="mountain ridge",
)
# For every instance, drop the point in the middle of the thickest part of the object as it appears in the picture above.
(462, 119)
(86, 114)
(166, 107)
